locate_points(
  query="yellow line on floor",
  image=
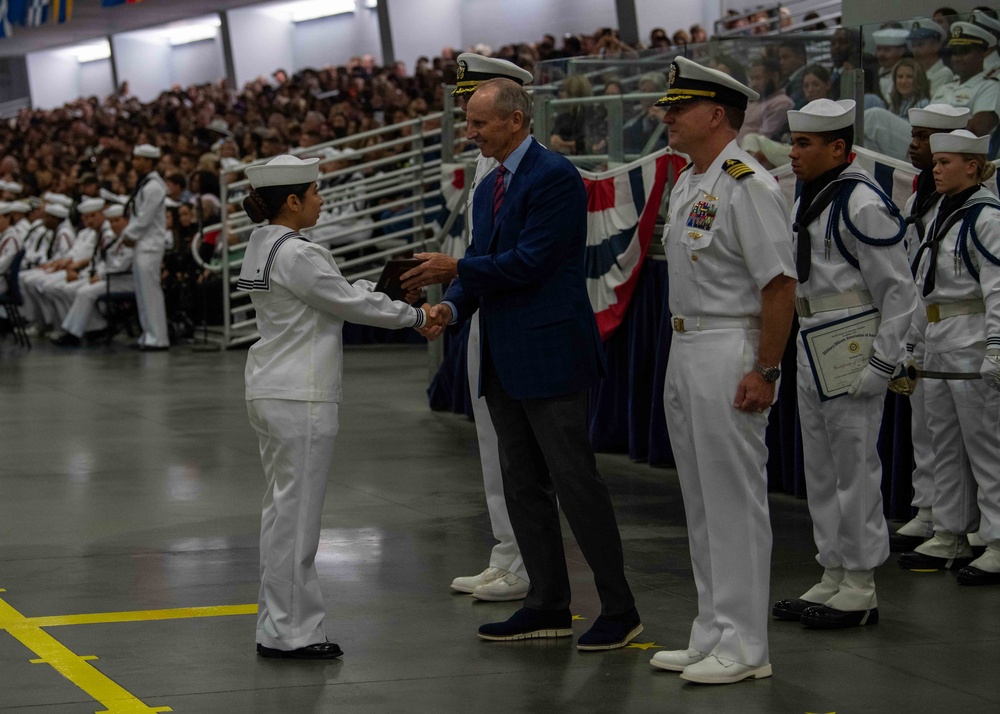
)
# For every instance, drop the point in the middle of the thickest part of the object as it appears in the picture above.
(179, 613)
(28, 631)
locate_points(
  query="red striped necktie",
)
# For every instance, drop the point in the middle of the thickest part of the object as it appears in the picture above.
(498, 190)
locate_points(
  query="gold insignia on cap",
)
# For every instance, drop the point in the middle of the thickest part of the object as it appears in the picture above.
(461, 70)
(672, 76)
(956, 31)
(915, 26)
(737, 169)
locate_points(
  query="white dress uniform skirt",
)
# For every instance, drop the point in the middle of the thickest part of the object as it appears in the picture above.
(721, 458)
(843, 474)
(296, 450)
(963, 418)
(505, 555)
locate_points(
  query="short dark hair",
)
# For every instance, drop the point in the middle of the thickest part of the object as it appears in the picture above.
(734, 116)
(847, 134)
(177, 178)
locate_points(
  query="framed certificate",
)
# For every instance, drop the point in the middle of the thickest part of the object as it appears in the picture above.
(838, 351)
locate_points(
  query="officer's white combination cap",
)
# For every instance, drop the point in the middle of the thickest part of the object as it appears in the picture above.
(926, 29)
(984, 20)
(5, 208)
(965, 34)
(147, 151)
(20, 207)
(822, 115)
(891, 37)
(690, 82)
(939, 116)
(474, 69)
(960, 141)
(57, 210)
(284, 170)
(115, 210)
(57, 198)
(90, 205)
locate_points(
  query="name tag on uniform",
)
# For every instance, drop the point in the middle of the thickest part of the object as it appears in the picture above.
(703, 214)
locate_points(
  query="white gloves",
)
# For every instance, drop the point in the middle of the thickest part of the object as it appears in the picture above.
(991, 369)
(870, 383)
(364, 285)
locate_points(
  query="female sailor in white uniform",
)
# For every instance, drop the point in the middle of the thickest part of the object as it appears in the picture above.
(293, 388)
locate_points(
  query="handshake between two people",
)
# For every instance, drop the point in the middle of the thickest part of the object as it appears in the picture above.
(437, 268)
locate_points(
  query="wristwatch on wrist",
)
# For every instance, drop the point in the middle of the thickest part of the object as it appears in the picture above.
(770, 374)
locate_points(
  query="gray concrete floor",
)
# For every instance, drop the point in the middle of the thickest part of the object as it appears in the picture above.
(131, 482)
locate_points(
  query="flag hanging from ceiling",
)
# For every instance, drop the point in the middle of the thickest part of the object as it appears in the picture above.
(622, 206)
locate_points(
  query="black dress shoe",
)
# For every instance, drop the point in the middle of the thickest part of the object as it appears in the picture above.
(610, 632)
(791, 609)
(822, 617)
(527, 624)
(321, 650)
(152, 348)
(971, 575)
(66, 340)
(919, 561)
(903, 543)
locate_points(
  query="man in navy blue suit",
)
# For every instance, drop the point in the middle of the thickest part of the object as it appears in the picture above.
(541, 351)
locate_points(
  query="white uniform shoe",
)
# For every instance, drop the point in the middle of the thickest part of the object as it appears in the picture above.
(677, 660)
(716, 670)
(507, 587)
(469, 583)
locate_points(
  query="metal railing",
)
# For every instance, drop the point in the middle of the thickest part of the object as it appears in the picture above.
(396, 196)
(827, 12)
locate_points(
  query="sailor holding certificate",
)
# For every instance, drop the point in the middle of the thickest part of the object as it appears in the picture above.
(850, 260)
(957, 268)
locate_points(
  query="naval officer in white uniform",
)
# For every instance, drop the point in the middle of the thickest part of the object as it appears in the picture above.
(293, 390)
(147, 233)
(958, 273)
(850, 260)
(732, 284)
(506, 577)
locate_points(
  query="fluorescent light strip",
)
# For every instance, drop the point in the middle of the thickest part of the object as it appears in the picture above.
(315, 9)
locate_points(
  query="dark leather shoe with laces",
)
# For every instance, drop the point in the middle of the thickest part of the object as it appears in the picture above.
(971, 575)
(822, 617)
(609, 632)
(527, 624)
(321, 650)
(792, 609)
(66, 340)
(919, 561)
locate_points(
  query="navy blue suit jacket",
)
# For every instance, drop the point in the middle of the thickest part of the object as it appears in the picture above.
(525, 274)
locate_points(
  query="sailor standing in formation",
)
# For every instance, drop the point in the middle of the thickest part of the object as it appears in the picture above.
(850, 259)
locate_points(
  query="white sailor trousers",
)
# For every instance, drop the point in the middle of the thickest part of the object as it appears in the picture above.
(963, 417)
(146, 265)
(505, 554)
(296, 450)
(843, 475)
(923, 450)
(721, 458)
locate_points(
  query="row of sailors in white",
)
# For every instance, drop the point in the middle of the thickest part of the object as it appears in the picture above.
(63, 290)
(975, 85)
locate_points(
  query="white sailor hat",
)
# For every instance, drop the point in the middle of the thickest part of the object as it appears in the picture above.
(689, 82)
(474, 69)
(5, 208)
(966, 34)
(147, 151)
(58, 198)
(20, 206)
(90, 205)
(891, 37)
(960, 141)
(33, 202)
(14, 187)
(924, 28)
(283, 170)
(219, 126)
(822, 115)
(112, 197)
(115, 210)
(984, 20)
(57, 210)
(939, 116)
(228, 163)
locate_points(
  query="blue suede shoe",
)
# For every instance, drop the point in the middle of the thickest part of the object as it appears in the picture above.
(611, 632)
(527, 624)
